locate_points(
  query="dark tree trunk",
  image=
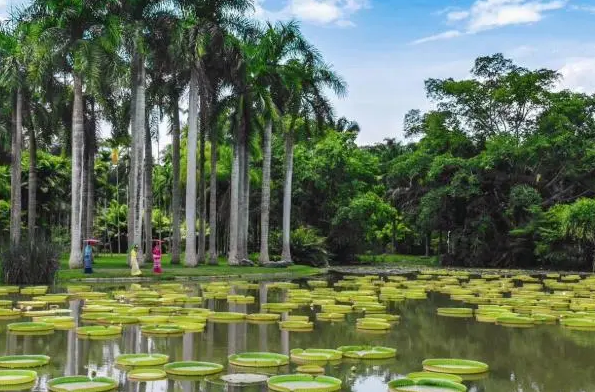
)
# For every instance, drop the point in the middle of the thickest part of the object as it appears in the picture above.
(32, 199)
(148, 194)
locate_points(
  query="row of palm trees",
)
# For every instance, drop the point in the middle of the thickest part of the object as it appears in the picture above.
(124, 60)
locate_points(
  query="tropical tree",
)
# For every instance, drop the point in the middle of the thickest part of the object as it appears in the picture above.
(12, 79)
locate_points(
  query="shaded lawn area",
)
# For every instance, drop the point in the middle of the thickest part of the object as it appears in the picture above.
(115, 266)
(405, 260)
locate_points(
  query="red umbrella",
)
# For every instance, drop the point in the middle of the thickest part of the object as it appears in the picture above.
(157, 241)
(91, 241)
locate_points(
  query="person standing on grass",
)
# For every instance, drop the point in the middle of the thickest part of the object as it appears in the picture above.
(135, 270)
(88, 259)
(157, 259)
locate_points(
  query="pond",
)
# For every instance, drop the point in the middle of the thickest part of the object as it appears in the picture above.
(542, 358)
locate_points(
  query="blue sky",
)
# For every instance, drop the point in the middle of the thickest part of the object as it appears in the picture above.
(385, 49)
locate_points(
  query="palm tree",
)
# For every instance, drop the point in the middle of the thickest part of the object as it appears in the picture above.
(12, 78)
(74, 35)
(206, 21)
(306, 101)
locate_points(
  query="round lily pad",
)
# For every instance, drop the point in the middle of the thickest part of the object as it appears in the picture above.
(373, 325)
(368, 352)
(240, 379)
(162, 330)
(435, 376)
(192, 368)
(455, 312)
(24, 361)
(30, 327)
(297, 325)
(263, 317)
(425, 385)
(16, 377)
(303, 382)
(454, 366)
(258, 359)
(226, 317)
(153, 320)
(141, 359)
(146, 374)
(329, 316)
(315, 355)
(310, 369)
(81, 384)
(99, 331)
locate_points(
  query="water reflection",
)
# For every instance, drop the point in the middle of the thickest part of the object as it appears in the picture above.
(540, 359)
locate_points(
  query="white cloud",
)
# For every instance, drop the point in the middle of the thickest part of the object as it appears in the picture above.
(577, 75)
(322, 12)
(490, 14)
(587, 8)
(438, 37)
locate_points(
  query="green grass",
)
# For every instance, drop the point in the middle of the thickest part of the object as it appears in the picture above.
(115, 266)
(399, 259)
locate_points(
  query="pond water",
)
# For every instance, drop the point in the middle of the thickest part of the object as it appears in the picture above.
(545, 358)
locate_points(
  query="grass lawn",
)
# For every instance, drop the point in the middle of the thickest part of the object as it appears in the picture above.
(115, 266)
(404, 260)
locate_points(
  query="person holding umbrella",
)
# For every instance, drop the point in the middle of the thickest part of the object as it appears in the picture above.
(157, 257)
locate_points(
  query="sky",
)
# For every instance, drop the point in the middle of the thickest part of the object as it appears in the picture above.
(385, 49)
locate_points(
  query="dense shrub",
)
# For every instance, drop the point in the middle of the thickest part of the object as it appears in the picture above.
(307, 246)
(25, 264)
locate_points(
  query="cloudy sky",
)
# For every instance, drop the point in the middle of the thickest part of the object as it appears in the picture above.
(385, 49)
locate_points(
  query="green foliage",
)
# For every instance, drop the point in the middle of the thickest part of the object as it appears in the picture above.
(28, 264)
(307, 246)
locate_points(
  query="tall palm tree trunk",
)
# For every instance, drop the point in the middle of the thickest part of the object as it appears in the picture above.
(234, 206)
(131, 161)
(246, 210)
(213, 198)
(78, 129)
(286, 254)
(241, 196)
(90, 200)
(265, 203)
(148, 194)
(15, 171)
(191, 259)
(176, 196)
(138, 150)
(202, 202)
(32, 184)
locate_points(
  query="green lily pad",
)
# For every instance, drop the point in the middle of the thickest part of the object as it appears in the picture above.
(368, 352)
(258, 359)
(425, 385)
(30, 327)
(192, 368)
(145, 374)
(141, 359)
(455, 366)
(24, 361)
(303, 382)
(82, 384)
(315, 355)
(15, 377)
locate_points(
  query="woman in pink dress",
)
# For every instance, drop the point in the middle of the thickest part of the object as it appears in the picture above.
(157, 259)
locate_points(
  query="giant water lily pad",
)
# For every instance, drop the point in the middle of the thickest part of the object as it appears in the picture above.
(141, 359)
(240, 379)
(368, 352)
(82, 384)
(162, 330)
(144, 374)
(15, 377)
(455, 366)
(226, 317)
(303, 382)
(24, 361)
(258, 359)
(192, 368)
(315, 355)
(30, 327)
(425, 385)
(435, 376)
(99, 331)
